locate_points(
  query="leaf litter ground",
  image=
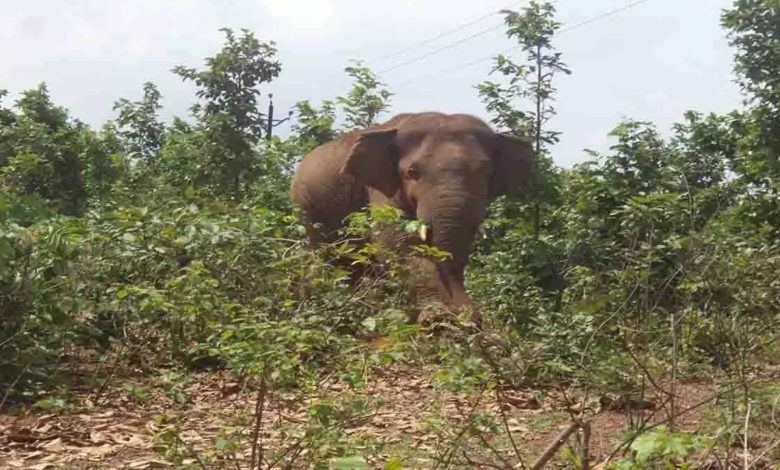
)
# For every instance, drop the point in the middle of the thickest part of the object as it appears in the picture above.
(118, 431)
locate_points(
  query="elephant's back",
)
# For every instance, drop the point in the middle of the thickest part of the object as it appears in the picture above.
(321, 190)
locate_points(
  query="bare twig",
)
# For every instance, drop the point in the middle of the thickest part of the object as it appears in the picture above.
(192, 452)
(10, 338)
(551, 449)
(646, 428)
(672, 400)
(450, 453)
(585, 446)
(774, 411)
(745, 449)
(257, 441)
(11, 387)
(763, 454)
(479, 464)
(292, 449)
(494, 451)
(499, 398)
(644, 369)
(120, 355)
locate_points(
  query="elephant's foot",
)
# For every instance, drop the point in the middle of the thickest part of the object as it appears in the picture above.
(439, 315)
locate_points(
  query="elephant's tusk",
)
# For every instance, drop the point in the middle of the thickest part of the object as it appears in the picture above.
(423, 232)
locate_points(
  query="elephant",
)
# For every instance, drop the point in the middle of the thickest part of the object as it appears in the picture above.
(440, 169)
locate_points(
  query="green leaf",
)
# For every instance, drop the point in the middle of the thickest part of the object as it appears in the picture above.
(369, 324)
(394, 464)
(348, 463)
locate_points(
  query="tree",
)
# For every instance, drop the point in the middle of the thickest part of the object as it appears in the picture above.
(703, 147)
(229, 114)
(522, 106)
(315, 126)
(753, 28)
(7, 120)
(46, 157)
(366, 100)
(754, 31)
(139, 125)
(105, 161)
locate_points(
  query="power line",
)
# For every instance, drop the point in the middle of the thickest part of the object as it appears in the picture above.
(446, 33)
(431, 39)
(564, 30)
(602, 16)
(441, 49)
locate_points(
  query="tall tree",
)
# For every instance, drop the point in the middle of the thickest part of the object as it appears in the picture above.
(704, 145)
(754, 31)
(523, 105)
(139, 125)
(46, 156)
(366, 100)
(753, 28)
(229, 113)
(105, 162)
(7, 119)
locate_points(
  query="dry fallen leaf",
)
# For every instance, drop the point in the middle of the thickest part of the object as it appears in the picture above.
(44, 429)
(148, 463)
(98, 437)
(55, 446)
(94, 452)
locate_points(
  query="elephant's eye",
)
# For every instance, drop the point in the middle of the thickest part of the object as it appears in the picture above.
(413, 172)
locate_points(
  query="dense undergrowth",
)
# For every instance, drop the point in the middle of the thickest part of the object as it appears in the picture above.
(173, 246)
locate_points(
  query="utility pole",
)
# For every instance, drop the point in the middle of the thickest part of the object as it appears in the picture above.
(271, 123)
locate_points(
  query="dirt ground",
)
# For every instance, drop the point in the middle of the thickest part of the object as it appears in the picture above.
(116, 430)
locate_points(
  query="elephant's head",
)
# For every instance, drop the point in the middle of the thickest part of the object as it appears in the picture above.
(443, 170)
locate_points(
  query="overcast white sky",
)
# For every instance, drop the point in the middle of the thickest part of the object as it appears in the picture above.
(652, 61)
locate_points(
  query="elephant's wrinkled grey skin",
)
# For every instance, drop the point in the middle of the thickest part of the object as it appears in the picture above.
(440, 169)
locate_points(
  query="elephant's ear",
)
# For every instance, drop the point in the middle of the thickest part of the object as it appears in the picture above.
(512, 165)
(373, 161)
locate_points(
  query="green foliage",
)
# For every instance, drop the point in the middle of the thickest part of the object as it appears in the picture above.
(230, 121)
(315, 126)
(139, 126)
(520, 229)
(533, 28)
(366, 100)
(661, 447)
(753, 31)
(174, 247)
(47, 147)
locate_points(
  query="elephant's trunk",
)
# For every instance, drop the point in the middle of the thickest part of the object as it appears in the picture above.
(453, 221)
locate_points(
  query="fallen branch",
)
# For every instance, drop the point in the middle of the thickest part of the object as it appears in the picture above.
(551, 449)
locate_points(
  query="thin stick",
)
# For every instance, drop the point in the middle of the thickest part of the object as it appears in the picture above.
(11, 387)
(683, 412)
(554, 446)
(450, 453)
(499, 398)
(585, 446)
(672, 400)
(257, 442)
(193, 453)
(479, 464)
(764, 453)
(746, 455)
